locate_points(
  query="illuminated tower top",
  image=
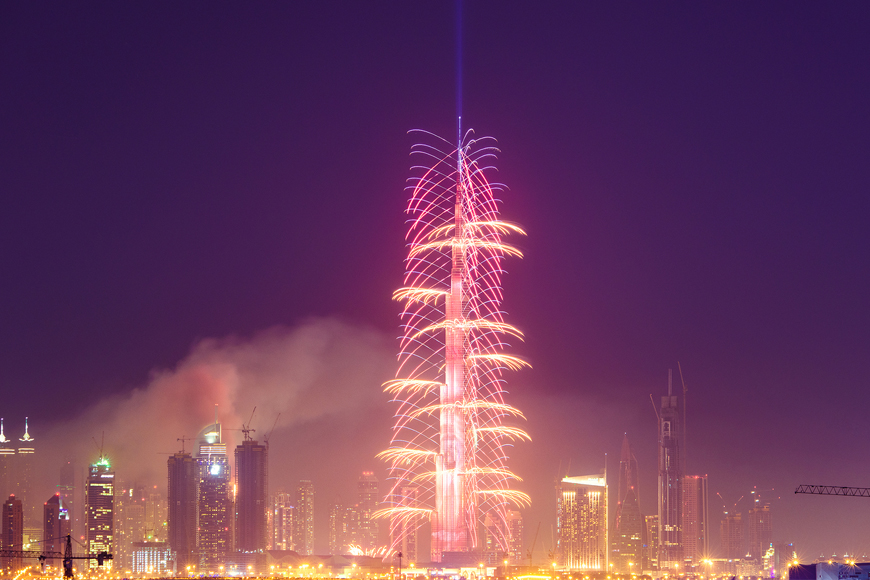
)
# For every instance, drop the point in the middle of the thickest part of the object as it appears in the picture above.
(26, 438)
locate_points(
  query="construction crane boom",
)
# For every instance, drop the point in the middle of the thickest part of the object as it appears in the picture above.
(833, 490)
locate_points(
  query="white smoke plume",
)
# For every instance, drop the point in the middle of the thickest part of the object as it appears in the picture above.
(323, 377)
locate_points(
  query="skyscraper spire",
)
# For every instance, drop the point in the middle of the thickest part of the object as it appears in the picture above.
(27, 436)
(627, 541)
(3, 438)
(450, 384)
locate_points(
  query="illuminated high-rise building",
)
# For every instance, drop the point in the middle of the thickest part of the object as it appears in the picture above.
(13, 532)
(581, 522)
(214, 504)
(252, 493)
(367, 504)
(760, 529)
(24, 477)
(670, 489)
(651, 543)
(516, 546)
(339, 527)
(56, 524)
(732, 536)
(181, 516)
(7, 465)
(628, 526)
(282, 515)
(303, 534)
(696, 526)
(453, 426)
(156, 516)
(129, 523)
(100, 509)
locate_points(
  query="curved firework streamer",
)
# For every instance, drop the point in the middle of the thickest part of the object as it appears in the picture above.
(518, 498)
(450, 389)
(506, 360)
(513, 433)
(406, 455)
(411, 386)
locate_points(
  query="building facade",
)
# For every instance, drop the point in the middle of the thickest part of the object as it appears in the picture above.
(214, 504)
(100, 509)
(581, 523)
(367, 505)
(13, 533)
(760, 529)
(56, 524)
(181, 515)
(628, 525)
(282, 515)
(696, 527)
(303, 534)
(339, 527)
(650, 549)
(732, 537)
(252, 493)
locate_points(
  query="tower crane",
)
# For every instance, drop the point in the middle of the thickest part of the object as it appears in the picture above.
(833, 490)
(67, 556)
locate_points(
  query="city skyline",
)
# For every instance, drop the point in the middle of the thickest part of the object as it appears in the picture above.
(208, 209)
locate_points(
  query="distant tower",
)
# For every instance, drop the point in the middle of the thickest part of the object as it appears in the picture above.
(67, 490)
(367, 502)
(628, 528)
(129, 523)
(282, 521)
(581, 521)
(303, 535)
(13, 531)
(56, 524)
(183, 475)
(651, 543)
(670, 491)
(24, 474)
(760, 529)
(214, 539)
(339, 527)
(100, 508)
(252, 493)
(516, 553)
(696, 527)
(7, 465)
(731, 535)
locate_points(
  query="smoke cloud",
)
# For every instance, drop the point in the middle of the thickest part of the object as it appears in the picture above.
(323, 378)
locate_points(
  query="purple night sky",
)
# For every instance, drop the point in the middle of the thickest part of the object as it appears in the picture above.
(203, 203)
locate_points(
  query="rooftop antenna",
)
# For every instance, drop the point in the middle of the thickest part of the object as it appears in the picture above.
(216, 422)
(670, 382)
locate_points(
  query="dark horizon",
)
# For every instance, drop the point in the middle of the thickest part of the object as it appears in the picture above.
(204, 203)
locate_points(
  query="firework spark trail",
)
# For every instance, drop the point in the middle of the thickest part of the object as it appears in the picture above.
(450, 387)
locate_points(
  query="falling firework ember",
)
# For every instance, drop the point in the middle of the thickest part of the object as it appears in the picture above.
(448, 455)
